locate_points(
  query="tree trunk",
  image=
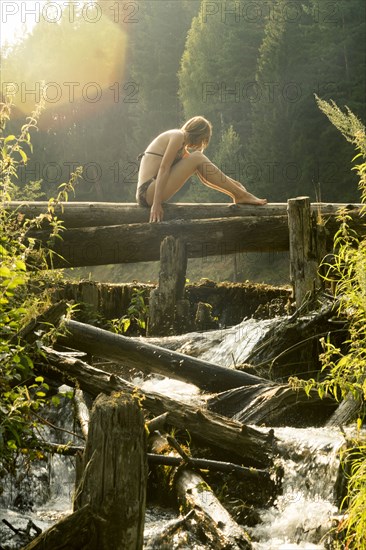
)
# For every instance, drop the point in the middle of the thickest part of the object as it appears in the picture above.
(303, 261)
(153, 359)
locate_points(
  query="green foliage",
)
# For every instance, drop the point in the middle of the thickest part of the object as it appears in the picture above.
(23, 295)
(136, 317)
(354, 524)
(344, 369)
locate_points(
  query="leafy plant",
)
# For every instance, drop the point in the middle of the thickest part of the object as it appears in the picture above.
(136, 315)
(24, 293)
(344, 368)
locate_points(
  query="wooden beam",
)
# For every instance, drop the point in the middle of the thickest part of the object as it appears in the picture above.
(239, 229)
(87, 214)
(141, 242)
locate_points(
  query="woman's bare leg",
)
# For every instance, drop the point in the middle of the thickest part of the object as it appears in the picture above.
(209, 174)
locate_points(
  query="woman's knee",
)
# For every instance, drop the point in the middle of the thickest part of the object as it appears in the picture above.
(198, 158)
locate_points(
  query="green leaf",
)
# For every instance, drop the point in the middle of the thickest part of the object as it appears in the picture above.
(19, 264)
(5, 272)
(23, 155)
(10, 138)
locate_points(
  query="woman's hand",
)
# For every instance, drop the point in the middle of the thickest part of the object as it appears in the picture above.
(156, 212)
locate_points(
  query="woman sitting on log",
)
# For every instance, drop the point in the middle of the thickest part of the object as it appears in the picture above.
(168, 162)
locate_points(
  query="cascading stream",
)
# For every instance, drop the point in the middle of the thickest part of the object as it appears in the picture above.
(304, 513)
(299, 518)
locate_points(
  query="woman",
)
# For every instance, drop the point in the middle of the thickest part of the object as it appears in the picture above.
(168, 162)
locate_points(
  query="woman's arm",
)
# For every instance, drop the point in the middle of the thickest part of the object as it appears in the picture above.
(174, 144)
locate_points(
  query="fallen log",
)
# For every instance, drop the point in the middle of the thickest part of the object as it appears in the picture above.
(85, 214)
(252, 446)
(134, 353)
(195, 494)
(51, 316)
(206, 464)
(163, 538)
(347, 411)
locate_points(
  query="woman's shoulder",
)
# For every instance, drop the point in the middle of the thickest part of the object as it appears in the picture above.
(174, 133)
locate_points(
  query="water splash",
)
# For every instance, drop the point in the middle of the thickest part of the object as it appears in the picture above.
(303, 514)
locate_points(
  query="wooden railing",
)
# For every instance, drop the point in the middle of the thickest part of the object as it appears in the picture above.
(113, 233)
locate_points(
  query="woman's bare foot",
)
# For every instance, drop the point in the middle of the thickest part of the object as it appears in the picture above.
(247, 198)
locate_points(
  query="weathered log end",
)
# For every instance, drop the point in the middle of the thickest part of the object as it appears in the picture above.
(115, 472)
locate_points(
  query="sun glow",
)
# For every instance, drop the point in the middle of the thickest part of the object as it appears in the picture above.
(61, 52)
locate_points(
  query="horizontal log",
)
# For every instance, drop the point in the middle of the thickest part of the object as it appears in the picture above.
(141, 242)
(131, 243)
(251, 445)
(86, 214)
(148, 358)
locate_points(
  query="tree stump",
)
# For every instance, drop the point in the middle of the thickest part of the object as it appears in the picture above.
(115, 473)
(168, 314)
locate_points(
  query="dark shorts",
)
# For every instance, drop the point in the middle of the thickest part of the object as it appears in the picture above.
(141, 193)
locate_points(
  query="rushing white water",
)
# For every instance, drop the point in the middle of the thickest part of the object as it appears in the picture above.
(304, 513)
(225, 347)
